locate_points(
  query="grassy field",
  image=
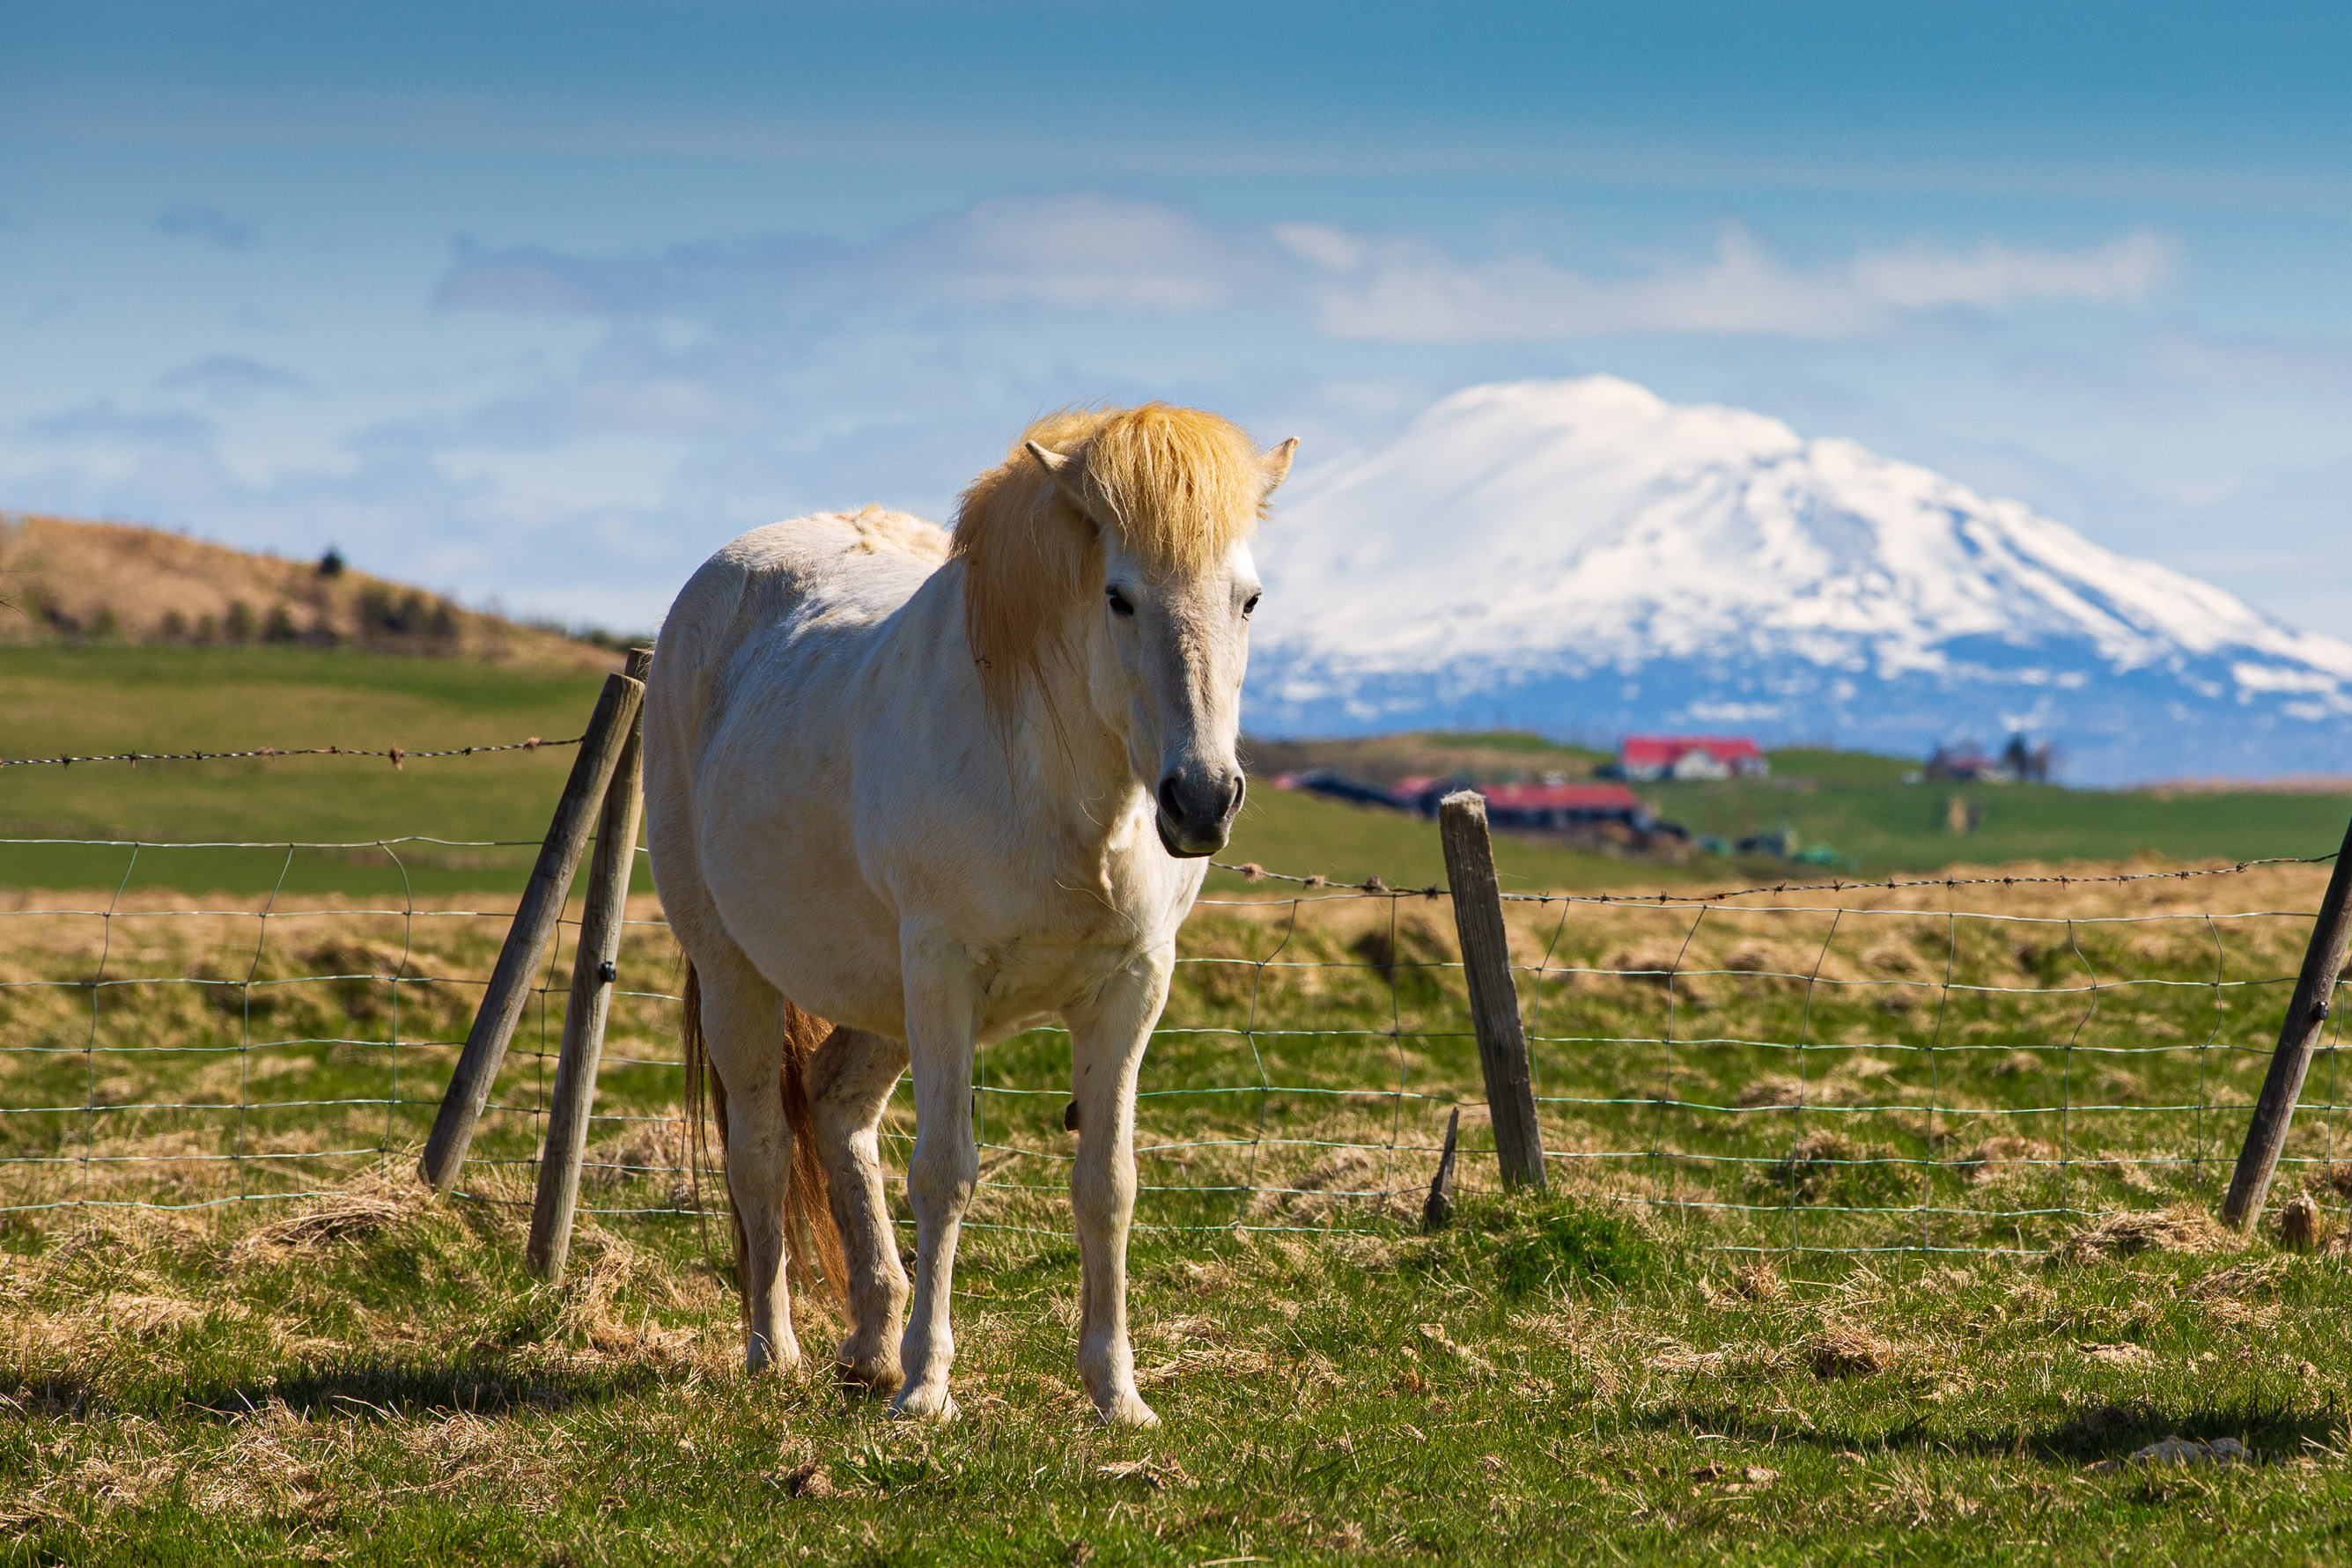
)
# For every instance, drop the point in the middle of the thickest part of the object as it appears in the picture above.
(101, 700)
(1697, 1346)
(1854, 803)
(90, 700)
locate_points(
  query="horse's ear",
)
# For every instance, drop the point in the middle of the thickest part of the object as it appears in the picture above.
(1277, 464)
(1062, 469)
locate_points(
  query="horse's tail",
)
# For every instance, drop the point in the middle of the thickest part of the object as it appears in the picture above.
(808, 1196)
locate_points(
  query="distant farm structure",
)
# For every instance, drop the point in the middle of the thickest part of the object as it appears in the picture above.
(1551, 805)
(2019, 762)
(1650, 758)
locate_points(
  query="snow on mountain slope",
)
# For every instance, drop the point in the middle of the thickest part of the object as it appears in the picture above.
(1581, 557)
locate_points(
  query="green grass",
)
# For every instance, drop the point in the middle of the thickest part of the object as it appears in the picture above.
(1305, 834)
(107, 700)
(407, 1395)
(1885, 827)
(1687, 1352)
(101, 700)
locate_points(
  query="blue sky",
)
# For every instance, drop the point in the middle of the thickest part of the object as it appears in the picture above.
(543, 302)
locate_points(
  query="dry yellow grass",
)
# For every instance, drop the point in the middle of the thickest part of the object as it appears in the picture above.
(61, 578)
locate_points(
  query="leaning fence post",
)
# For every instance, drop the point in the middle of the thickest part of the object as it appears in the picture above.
(534, 927)
(1494, 999)
(2306, 1015)
(593, 973)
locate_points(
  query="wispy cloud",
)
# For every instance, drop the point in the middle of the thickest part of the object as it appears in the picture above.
(106, 423)
(1089, 252)
(1408, 290)
(1082, 252)
(233, 379)
(206, 225)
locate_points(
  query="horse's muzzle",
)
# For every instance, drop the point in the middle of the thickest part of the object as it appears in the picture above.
(1196, 818)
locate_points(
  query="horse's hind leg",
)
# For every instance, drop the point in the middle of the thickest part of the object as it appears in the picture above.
(850, 1081)
(743, 1025)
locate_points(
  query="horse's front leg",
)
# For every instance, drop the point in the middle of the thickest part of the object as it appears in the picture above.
(942, 1017)
(1106, 1042)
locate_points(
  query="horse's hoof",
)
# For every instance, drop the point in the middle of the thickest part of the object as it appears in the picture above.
(868, 1378)
(762, 1356)
(1128, 1410)
(918, 1403)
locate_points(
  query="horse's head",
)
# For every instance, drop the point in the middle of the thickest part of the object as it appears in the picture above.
(1173, 497)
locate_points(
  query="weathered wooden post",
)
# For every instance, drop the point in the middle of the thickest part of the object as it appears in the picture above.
(1494, 999)
(535, 922)
(594, 971)
(2306, 1015)
(1437, 1210)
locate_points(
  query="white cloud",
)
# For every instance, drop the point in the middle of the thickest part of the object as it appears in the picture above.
(2127, 270)
(1407, 290)
(1319, 244)
(1081, 252)
(1087, 252)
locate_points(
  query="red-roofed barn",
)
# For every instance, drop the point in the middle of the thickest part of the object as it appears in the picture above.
(1650, 758)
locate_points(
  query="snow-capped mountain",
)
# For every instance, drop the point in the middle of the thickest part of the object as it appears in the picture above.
(1580, 557)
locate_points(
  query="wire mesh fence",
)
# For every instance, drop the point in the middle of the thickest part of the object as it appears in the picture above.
(1925, 1066)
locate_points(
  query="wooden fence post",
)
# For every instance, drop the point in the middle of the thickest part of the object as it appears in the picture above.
(1494, 999)
(2306, 1015)
(594, 969)
(535, 922)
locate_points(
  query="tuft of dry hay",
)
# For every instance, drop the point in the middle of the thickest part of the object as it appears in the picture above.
(1345, 1181)
(1848, 1350)
(1782, 1088)
(349, 1216)
(2177, 1229)
(649, 1148)
(1999, 1156)
(2242, 1280)
(1772, 1090)
(807, 1480)
(2304, 1225)
(1759, 1281)
(1815, 1159)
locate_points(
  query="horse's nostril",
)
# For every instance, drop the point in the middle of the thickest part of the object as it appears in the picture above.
(1168, 802)
(1240, 786)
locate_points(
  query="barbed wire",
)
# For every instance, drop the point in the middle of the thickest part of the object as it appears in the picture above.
(1253, 872)
(397, 754)
(1287, 1090)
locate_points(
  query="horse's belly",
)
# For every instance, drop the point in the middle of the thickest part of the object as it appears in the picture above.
(792, 899)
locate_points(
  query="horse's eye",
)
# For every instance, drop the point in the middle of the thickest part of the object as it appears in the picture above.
(1249, 605)
(1118, 604)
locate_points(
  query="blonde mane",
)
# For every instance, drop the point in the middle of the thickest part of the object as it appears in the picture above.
(1180, 485)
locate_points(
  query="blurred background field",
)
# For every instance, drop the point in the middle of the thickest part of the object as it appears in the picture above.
(95, 700)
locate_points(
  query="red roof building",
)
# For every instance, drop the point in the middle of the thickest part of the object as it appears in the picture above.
(1655, 757)
(1588, 799)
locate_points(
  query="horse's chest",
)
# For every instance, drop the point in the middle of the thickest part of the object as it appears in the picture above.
(1023, 981)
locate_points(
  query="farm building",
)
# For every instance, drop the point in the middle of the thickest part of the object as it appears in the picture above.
(1555, 805)
(1650, 758)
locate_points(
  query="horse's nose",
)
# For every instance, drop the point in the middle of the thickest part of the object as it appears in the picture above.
(1195, 808)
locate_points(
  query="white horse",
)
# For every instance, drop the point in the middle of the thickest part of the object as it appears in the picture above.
(936, 792)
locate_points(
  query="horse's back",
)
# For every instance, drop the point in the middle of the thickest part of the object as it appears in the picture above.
(751, 715)
(840, 566)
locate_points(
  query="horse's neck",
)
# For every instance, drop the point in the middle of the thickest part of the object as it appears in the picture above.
(1075, 777)
(1078, 762)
